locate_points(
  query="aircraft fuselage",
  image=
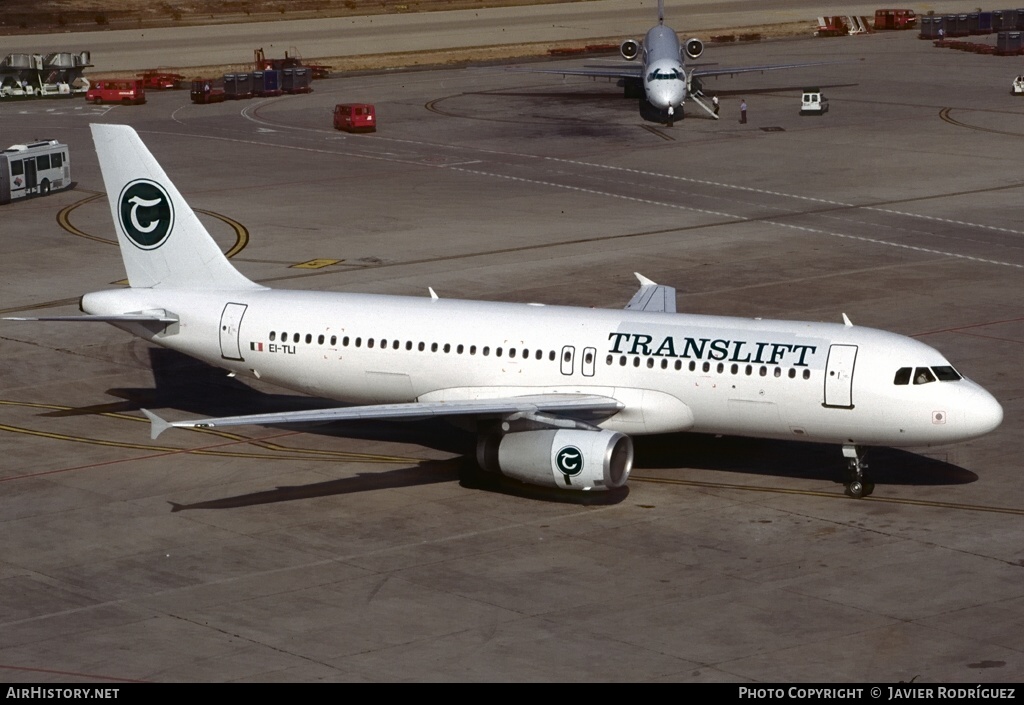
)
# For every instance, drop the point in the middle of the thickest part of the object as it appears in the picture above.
(673, 372)
(664, 77)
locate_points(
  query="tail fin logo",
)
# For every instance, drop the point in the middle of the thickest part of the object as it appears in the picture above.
(146, 214)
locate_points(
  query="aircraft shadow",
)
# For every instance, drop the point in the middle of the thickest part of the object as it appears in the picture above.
(710, 89)
(188, 385)
(812, 461)
(460, 469)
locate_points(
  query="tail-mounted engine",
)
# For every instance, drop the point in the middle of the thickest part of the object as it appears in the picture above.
(693, 48)
(564, 458)
(630, 49)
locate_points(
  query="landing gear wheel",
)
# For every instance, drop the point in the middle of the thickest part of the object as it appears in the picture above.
(856, 486)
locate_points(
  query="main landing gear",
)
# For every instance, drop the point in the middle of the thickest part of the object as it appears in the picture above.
(856, 485)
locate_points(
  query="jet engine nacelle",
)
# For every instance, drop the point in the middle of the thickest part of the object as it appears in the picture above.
(630, 49)
(567, 459)
(693, 48)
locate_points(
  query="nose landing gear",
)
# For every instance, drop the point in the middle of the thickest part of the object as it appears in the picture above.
(856, 485)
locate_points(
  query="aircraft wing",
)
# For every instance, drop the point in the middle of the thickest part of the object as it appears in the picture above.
(652, 297)
(729, 70)
(553, 403)
(624, 71)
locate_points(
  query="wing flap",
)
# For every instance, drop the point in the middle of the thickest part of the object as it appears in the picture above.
(550, 403)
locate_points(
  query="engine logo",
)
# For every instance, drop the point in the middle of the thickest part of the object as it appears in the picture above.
(569, 461)
(146, 214)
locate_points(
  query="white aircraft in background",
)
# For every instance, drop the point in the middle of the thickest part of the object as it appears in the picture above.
(556, 392)
(661, 81)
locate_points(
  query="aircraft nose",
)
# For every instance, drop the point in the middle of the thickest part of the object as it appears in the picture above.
(664, 97)
(984, 414)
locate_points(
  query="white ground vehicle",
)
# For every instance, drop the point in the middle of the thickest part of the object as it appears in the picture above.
(33, 169)
(1018, 86)
(813, 102)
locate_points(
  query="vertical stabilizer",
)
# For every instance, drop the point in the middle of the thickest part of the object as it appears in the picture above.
(661, 11)
(163, 243)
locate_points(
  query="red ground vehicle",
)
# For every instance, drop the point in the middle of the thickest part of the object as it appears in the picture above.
(128, 91)
(208, 90)
(355, 117)
(895, 19)
(160, 80)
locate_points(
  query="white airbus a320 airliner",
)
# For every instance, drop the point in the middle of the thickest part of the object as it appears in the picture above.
(555, 392)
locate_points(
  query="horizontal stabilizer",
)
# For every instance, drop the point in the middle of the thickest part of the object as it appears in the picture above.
(551, 403)
(126, 318)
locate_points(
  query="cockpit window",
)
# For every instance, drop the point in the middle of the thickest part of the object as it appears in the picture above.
(660, 75)
(922, 375)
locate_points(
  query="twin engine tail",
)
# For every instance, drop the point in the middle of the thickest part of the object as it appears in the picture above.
(163, 243)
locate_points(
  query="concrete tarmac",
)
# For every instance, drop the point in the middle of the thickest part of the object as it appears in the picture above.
(232, 44)
(363, 552)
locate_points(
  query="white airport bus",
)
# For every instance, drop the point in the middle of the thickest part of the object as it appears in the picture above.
(33, 169)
